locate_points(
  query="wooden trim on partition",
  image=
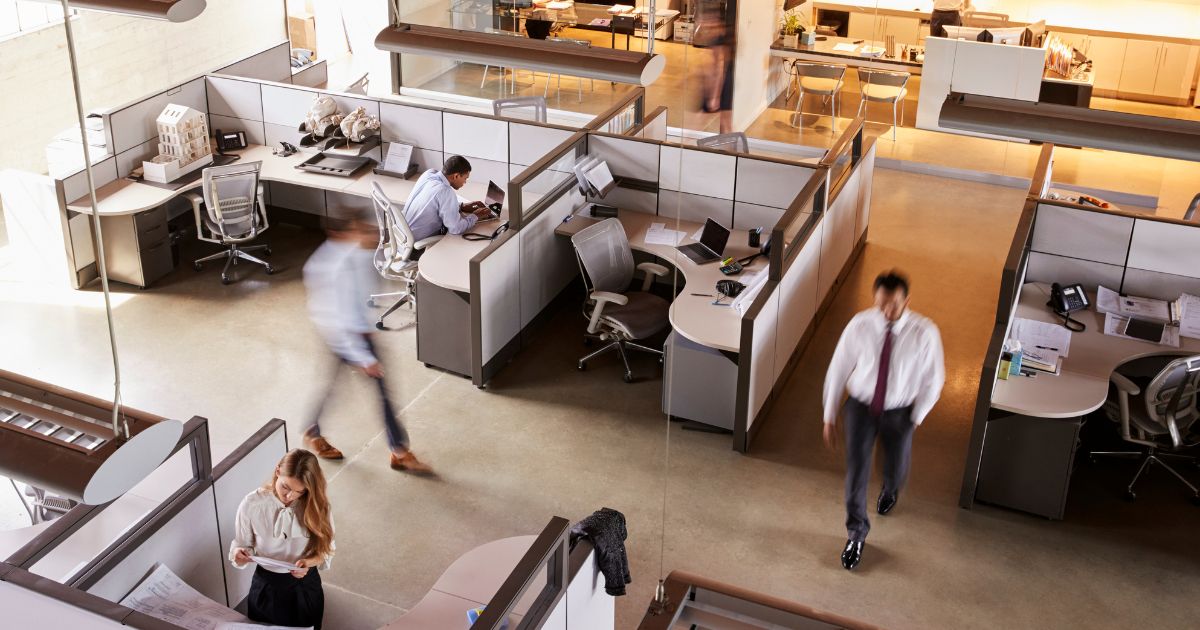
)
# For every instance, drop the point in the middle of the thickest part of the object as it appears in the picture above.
(251, 443)
(661, 109)
(816, 189)
(604, 117)
(549, 545)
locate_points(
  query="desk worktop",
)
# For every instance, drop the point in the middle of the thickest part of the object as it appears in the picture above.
(1082, 387)
(825, 48)
(694, 317)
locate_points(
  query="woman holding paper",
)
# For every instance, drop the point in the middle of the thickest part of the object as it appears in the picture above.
(286, 528)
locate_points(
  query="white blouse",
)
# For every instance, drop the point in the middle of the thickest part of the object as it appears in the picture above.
(266, 527)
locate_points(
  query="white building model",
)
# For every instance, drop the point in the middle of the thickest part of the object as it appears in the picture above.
(182, 144)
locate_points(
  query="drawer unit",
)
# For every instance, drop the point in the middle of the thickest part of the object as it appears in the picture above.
(137, 247)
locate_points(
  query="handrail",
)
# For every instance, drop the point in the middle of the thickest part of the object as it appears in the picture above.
(549, 550)
(681, 587)
(636, 97)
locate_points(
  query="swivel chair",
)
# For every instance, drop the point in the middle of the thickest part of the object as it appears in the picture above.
(616, 314)
(394, 257)
(234, 213)
(1156, 415)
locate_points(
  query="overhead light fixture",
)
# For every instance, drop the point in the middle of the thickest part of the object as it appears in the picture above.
(170, 10)
(1073, 126)
(557, 57)
(71, 453)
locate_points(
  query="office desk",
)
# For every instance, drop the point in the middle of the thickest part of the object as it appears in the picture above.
(823, 52)
(1033, 429)
(703, 349)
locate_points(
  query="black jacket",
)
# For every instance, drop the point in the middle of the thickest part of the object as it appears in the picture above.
(606, 530)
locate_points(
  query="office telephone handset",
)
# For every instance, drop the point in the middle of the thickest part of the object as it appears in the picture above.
(471, 236)
(1067, 300)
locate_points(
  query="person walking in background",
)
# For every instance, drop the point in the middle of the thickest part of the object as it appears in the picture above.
(948, 13)
(287, 520)
(889, 360)
(339, 278)
(716, 30)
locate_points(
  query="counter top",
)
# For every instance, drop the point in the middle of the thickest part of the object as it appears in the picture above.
(826, 49)
(694, 317)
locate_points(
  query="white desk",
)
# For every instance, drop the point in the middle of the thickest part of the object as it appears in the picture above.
(694, 317)
(1082, 387)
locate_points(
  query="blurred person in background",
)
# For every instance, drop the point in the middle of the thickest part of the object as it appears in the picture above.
(716, 29)
(339, 278)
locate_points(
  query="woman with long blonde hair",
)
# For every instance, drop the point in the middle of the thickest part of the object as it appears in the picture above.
(286, 528)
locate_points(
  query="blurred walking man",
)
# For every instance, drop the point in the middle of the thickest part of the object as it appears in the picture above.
(889, 361)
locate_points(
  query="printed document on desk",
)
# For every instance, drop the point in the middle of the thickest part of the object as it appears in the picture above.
(1189, 316)
(658, 234)
(845, 47)
(1117, 326)
(163, 595)
(1035, 335)
(1109, 301)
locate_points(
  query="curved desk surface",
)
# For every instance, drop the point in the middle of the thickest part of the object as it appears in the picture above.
(470, 582)
(1082, 387)
(446, 264)
(694, 317)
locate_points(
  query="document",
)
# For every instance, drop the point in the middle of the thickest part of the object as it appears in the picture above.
(845, 47)
(271, 563)
(1041, 337)
(754, 283)
(1109, 301)
(398, 158)
(658, 234)
(1189, 316)
(164, 596)
(1117, 326)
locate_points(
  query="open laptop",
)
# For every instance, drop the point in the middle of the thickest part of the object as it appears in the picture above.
(711, 245)
(494, 200)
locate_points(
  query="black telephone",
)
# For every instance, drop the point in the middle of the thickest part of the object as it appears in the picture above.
(230, 140)
(471, 236)
(1067, 300)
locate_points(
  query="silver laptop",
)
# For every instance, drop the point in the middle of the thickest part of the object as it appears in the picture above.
(711, 245)
(494, 200)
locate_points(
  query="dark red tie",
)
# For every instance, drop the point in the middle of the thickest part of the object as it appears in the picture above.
(885, 360)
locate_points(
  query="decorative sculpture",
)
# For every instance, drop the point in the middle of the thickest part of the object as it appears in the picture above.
(358, 126)
(322, 118)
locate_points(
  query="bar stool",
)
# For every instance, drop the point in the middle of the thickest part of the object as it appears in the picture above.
(823, 79)
(883, 86)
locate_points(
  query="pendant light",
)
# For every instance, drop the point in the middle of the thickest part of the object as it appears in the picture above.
(169, 10)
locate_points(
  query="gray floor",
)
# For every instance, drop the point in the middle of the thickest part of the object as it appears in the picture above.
(546, 440)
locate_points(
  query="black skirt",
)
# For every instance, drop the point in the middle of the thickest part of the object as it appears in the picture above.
(282, 600)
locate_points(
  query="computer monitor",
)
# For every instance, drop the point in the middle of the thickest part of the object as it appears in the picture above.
(1011, 35)
(962, 32)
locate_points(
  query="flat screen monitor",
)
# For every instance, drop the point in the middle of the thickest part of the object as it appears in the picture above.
(962, 32)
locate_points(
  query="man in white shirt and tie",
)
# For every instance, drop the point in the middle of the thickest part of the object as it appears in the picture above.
(947, 13)
(434, 207)
(889, 361)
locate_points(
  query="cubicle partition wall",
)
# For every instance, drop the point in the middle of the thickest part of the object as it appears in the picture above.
(623, 116)
(654, 126)
(1067, 243)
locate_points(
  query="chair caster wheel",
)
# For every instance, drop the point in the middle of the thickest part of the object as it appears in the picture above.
(628, 378)
(371, 303)
(270, 270)
(380, 326)
(267, 251)
(225, 279)
(582, 366)
(1130, 495)
(198, 266)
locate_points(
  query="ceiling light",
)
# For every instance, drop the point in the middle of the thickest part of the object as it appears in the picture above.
(510, 51)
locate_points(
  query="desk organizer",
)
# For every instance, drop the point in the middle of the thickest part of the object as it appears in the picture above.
(340, 165)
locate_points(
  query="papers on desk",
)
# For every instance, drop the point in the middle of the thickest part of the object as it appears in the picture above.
(620, 8)
(1109, 301)
(1035, 335)
(658, 234)
(754, 283)
(1189, 316)
(399, 156)
(559, 5)
(1141, 330)
(845, 47)
(164, 596)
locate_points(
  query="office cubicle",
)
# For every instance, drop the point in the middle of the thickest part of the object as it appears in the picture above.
(1060, 241)
(623, 116)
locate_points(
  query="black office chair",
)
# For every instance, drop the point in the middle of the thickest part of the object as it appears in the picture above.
(538, 29)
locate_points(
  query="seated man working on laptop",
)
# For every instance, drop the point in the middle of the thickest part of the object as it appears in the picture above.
(434, 207)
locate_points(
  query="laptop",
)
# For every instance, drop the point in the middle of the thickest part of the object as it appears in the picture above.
(494, 200)
(711, 245)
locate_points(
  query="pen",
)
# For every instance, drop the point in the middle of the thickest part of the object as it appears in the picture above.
(1047, 348)
(703, 295)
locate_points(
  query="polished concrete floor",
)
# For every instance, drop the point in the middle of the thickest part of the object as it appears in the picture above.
(545, 439)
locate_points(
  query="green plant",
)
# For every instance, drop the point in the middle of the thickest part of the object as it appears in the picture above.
(790, 25)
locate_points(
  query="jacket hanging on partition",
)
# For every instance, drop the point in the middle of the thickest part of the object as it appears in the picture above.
(605, 528)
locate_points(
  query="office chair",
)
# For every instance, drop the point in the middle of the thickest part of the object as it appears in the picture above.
(614, 313)
(359, 86)
(394, 256)
(1156, 414)
(504, 107)
(734, 141)
(234, 213)
(822, 79)
(883, 86)
(1191, 209)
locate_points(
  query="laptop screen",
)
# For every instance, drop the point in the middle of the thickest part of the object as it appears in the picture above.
(495, 194)
(715, 236)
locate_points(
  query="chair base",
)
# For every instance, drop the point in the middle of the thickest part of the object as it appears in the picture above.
(231, 257)
(1151, 456)
(621, 346)
(407, 296)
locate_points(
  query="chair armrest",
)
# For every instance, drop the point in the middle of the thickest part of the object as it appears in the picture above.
(426, 242)
(1125, 385)
(651, 270)
(601, 298)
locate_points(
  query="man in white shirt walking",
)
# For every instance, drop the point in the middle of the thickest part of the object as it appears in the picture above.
(948, 13)
(889, 361)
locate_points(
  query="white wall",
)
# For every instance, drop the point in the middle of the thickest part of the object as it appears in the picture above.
(757, 23)
(121, 58)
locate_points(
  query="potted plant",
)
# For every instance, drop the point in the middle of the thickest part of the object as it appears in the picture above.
(791, 28)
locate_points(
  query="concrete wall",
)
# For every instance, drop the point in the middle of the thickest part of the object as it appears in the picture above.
(121, 58)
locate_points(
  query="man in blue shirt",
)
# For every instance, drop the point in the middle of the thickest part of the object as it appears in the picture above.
(434, 207)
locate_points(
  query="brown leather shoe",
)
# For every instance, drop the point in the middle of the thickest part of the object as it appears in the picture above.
(409, 463)
(321, 447)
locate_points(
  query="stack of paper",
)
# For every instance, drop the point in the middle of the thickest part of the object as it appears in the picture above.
(845, 47)
(1043, 345)
(1109, 301)
(1189, 316)
(658, 234)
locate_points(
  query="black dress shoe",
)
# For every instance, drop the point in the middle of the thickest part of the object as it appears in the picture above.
(852, 554)
(886, 502)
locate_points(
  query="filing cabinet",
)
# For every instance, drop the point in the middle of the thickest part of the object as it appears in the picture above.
(137, 247)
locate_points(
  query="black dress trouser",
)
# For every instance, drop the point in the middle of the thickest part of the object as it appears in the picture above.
(894, 429)
(283, 600)
(938, 19)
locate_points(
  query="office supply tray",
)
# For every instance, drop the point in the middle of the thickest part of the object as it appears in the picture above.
(412, 170)
(340, 165)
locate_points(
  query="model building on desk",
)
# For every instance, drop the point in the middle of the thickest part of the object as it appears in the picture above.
(182, 144)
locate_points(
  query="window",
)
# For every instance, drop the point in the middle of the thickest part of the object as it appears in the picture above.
(19, 16)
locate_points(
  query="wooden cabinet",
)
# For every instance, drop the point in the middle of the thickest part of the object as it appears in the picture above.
(865, 26)
(905, 30)
(1176, 71)
(1158, 71)
(1108, 60)
(869, 26)
(1141, 66)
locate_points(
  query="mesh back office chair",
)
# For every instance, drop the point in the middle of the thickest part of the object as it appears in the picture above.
(1156, 414)
(234, 213)
(507, 107)
(394, 257)
(822, 79)
(616, 314)
(883, 86)
(734, 141)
